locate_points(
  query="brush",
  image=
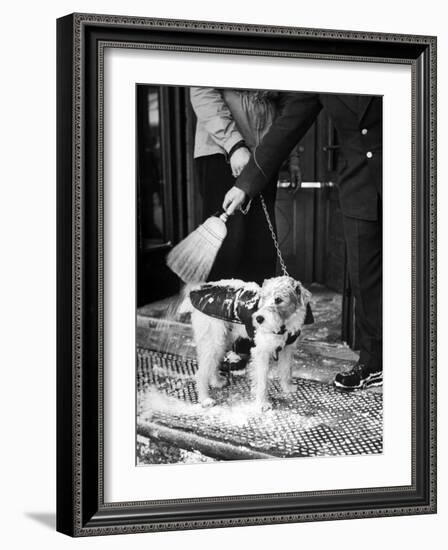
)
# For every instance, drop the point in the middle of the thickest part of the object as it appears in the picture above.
(193, 258)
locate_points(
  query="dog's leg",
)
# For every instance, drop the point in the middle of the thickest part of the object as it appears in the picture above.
(259, 371)
(207, 361)
(221, 342)
(285, 369)
(210, 337)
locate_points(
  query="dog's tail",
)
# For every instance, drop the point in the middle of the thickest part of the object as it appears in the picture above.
(185, 303)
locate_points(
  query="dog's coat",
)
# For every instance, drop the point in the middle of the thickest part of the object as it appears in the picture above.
(271, 315)
(227, 302)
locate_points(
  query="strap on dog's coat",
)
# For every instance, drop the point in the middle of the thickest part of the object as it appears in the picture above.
(292, 338)
(309, 320)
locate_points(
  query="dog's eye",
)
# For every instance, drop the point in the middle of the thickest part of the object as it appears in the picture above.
(278, 300)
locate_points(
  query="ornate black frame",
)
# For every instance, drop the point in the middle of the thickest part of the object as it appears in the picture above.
(81, 39)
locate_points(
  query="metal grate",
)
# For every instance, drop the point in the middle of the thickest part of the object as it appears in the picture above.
(316, 420)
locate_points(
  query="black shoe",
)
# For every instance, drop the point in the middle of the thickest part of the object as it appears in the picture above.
(359, 377)
(233, 362)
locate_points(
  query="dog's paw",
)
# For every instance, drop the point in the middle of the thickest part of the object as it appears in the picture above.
(288, 387)
(207, 403)
(263, 406)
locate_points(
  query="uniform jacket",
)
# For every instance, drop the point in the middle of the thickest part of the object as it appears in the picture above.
(358, 121)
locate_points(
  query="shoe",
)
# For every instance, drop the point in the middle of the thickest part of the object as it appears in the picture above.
(359, 377)
(233, 362)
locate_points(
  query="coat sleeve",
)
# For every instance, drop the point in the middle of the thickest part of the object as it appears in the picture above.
(296, 114)
(214, 115)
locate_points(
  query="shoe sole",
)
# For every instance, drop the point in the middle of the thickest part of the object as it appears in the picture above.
(228, 366)
(375, 379)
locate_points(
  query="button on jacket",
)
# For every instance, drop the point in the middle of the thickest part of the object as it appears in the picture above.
(358, 121)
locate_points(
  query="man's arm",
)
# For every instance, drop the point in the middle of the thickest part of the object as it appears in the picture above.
(297, 113)
(212, 111)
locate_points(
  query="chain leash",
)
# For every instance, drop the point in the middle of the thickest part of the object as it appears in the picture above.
(274, 237)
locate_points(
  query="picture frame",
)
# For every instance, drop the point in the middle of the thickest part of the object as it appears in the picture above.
(81, 507)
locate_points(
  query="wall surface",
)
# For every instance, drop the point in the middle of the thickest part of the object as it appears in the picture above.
(27, 302)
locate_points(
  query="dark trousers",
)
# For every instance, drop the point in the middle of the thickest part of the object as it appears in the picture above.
(364, 252)
(248, 251)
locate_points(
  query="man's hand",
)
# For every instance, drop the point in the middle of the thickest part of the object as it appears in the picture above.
(233, 200)
(238, 161)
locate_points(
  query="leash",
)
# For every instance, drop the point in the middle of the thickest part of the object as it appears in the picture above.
(268, 219)
(274, 237)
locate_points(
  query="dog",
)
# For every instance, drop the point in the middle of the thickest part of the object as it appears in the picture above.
(271, 316)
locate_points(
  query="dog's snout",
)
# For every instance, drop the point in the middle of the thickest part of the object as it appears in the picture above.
(259, 319)
(283, 329)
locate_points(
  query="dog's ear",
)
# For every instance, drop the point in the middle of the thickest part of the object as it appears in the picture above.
(304, 296)
(309, 317)
(298, 289)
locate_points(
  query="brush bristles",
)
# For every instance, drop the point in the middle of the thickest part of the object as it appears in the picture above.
(193, 258)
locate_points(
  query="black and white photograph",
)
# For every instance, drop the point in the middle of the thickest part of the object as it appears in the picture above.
(222, 241)
(246, 275)
(259, 274)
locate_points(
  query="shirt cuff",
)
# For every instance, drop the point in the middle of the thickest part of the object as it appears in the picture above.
(238, 145)
(232, 140)
(251, 180)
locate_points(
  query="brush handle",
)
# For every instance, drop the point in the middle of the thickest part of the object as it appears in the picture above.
(221, 215)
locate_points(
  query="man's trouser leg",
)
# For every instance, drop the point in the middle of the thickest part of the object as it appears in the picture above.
(248, 251)
(364, 252)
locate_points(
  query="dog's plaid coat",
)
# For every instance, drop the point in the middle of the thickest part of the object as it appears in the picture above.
(227, 303)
